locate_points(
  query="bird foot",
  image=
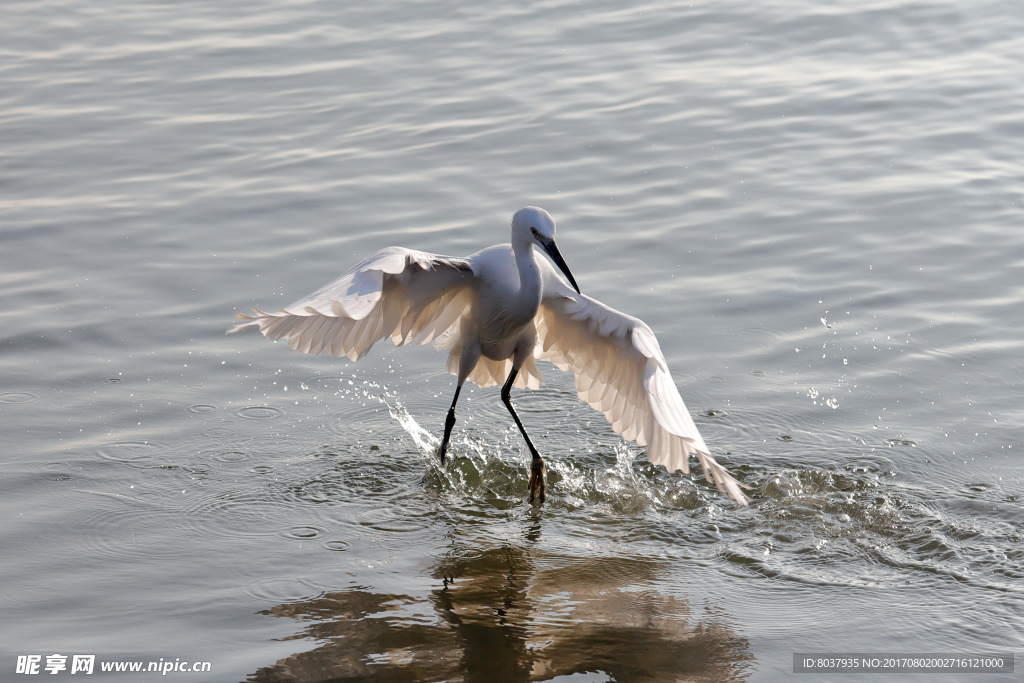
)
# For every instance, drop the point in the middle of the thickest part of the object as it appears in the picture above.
(537, 479)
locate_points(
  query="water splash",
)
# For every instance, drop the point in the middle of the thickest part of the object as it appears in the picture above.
(806, 522)
(423, 438)
(496, 471)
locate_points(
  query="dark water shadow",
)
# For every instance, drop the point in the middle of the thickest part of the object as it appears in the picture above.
(510, 614)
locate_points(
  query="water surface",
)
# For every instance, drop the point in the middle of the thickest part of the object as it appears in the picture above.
(816, 209)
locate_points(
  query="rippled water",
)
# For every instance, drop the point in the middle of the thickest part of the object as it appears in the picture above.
(817, 209)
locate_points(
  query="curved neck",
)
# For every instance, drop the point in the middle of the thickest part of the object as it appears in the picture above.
(529, 277)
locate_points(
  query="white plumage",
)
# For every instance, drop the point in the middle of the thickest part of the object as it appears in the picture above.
(500, 310)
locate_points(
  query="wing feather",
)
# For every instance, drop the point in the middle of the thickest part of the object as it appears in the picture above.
(620, 370)
(399, 293)
(307, 340)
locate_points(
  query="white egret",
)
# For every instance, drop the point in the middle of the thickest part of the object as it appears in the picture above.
(500, 310)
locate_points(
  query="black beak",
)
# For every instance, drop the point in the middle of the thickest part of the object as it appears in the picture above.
(552, 251)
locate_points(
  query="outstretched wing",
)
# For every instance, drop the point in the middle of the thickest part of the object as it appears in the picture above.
(621, 372)
(399, 293)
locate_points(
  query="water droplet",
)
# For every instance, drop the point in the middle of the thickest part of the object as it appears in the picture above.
(302, 532)
(336, 546)
(17, 397)
(259, 412)
(129, 451)
(279, 590)
(230, 456)
(219, 432)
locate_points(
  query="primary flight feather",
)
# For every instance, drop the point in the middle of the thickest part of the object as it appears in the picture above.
(500, 310)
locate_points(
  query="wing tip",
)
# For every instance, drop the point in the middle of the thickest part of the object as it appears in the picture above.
(246, 320)
(720, 477)
(714, 473)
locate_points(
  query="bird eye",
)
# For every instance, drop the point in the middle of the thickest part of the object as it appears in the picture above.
(534, 231)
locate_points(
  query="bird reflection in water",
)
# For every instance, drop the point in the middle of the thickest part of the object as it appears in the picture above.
(515, 614)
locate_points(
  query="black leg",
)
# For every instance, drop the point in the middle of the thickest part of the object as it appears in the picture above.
(449, 423)
(537, 466)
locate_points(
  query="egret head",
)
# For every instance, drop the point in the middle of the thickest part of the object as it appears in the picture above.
(536, 226)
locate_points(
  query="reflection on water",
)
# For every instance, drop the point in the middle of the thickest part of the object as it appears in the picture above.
(512, 609)
(509, 614)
